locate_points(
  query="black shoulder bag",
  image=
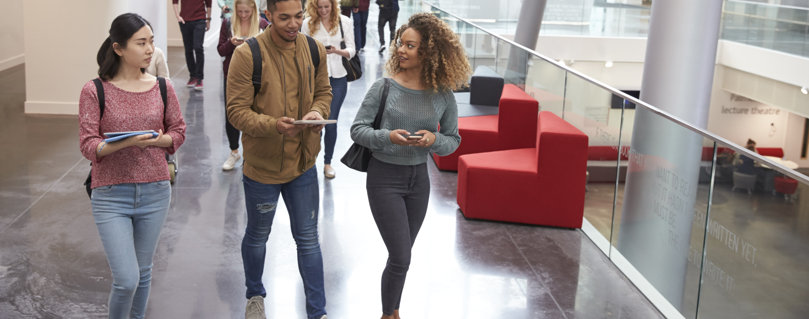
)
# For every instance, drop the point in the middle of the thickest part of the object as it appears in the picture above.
(358, 156)
(353, 66)
(100, 93)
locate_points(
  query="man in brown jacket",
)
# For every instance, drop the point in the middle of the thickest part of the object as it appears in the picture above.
(279, 156)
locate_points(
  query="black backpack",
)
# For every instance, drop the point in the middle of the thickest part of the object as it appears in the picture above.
(101, 104)
(256, 51)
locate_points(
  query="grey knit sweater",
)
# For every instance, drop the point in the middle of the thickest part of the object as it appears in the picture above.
(411, 110)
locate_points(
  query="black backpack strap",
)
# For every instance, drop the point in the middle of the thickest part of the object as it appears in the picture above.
(314, 52)
(100, 94)
(256, 51)
(161, 81)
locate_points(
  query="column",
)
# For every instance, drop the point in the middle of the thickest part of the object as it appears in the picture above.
(664, 162)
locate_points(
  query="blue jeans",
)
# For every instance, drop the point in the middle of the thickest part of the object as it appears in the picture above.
(302, 200)
(360, 28)
(129, 218)
(339, 87)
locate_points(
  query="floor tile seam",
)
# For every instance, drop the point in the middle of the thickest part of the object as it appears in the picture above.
(46, 192)
(533, 270)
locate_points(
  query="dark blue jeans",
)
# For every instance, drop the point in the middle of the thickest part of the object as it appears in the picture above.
(339, 86)
(193, 36)
(302, 200)
(360, 26)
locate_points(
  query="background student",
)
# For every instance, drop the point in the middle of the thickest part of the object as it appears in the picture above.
(246, 23)
(323, 23)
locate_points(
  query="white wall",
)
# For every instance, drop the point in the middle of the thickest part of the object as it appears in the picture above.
(61, 57)
(173, 36)
(12, 52)
(795, 137)
(737, 120)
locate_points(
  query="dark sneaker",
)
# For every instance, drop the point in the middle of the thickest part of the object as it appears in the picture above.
(191, 82)
(198, 86)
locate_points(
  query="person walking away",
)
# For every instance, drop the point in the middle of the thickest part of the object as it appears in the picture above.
(388, 14)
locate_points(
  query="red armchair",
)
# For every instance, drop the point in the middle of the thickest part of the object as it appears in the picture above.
(514, 127)
(786, 186)
(542, 185)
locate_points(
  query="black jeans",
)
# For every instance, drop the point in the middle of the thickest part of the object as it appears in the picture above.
(388, 17)
(193, 35)
(232, 132)
(398, 195)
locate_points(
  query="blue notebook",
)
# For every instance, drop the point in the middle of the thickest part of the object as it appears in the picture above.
(117, 136)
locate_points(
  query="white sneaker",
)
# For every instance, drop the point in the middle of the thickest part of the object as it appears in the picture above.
(255, 308)
(328, 171)
(231, 161)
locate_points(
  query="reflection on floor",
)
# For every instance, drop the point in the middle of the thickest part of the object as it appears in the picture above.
(52, 264)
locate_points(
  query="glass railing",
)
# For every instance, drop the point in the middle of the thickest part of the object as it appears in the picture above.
(777, 27)
(698, 234)
(773, 26)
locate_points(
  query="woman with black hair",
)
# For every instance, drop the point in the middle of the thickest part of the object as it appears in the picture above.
(130, 178)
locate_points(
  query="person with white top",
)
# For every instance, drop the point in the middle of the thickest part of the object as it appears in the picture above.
(325, 23)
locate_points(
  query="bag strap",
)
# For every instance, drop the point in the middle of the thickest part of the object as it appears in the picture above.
(378, 118)
(313, 51)
(100, 94)
(256, 52)
(342, 36)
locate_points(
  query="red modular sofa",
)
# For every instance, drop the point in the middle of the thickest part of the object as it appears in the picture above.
(771, 151)
(514, 127)
(541, 185)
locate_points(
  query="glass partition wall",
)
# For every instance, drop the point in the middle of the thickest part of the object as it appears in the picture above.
(699, 238)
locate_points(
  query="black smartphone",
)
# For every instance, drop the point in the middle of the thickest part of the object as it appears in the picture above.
(328, 47)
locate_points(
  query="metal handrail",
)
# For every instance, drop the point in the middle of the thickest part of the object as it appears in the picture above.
(727, 143)
(770, 5)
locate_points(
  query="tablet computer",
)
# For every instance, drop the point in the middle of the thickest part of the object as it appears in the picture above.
(117, 136)
(315, 122)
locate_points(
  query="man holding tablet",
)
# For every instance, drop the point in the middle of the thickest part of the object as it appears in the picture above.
(279, 155)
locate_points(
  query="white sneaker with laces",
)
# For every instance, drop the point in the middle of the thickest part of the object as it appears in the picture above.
(231, 161)
(255, 308)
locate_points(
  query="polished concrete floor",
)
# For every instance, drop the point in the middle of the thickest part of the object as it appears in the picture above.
(52, 264)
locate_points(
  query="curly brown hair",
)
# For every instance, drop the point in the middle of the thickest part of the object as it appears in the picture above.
(444, 65)
(314, 22)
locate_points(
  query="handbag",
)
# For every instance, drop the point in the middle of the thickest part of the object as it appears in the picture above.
(353, 66)
(358, 156)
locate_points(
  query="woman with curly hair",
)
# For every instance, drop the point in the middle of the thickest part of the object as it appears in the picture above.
(428, 63)
(325, 23)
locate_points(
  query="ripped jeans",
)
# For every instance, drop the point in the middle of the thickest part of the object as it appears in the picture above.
(301, 197)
